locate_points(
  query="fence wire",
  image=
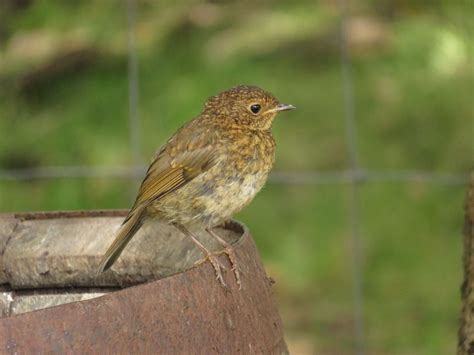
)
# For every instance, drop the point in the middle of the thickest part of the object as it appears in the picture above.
(354, 176)
(133, 84)
(277, 177)
(354, 205)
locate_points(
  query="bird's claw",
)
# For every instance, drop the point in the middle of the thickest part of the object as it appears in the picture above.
(234, 266)
(217, 265)
(229, 251)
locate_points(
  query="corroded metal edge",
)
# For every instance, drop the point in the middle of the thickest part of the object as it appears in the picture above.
(233, 225)
(65, 214)
(69, 254)
(188, 312)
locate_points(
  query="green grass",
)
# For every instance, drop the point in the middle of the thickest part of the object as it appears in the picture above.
(412, 266)
(413, 102)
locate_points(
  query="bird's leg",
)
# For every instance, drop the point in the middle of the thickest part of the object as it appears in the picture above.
(212, 258)
(229, 250)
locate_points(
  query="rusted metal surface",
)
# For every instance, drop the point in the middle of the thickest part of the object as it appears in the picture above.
(466, 330)
(7, 226)
(65, 214)
(14, 302)
(64, 249)
(188, 312)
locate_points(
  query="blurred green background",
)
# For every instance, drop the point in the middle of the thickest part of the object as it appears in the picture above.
(64, 102)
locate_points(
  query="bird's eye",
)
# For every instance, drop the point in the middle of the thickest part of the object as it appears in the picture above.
(255, 108)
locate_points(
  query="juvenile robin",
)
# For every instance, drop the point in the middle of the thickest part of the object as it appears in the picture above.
(210, 169)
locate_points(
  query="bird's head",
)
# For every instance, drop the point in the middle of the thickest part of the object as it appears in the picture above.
(245, 106)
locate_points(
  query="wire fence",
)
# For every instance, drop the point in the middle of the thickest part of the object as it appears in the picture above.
(366, 176)
(355, 175)
(277, 177)
(351, 142)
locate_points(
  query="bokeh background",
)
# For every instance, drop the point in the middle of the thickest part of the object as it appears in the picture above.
(361, 223)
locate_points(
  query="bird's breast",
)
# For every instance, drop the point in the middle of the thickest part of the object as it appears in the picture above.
(241, 169)
(251, 153)
(228, 194)
(240, 174)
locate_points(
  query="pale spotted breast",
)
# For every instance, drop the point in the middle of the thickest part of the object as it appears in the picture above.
(238, 175)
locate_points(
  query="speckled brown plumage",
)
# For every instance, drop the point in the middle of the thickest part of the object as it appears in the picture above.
(208, 170)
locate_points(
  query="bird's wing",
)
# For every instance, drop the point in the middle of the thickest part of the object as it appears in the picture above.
(177, 163)
(167, 174)
(182, 159)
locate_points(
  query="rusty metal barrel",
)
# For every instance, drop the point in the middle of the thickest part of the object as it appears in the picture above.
(160, 296)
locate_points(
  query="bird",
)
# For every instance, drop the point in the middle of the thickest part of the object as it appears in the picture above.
(210, 169)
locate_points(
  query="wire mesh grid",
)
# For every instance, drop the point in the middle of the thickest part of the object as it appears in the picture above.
(354, 176)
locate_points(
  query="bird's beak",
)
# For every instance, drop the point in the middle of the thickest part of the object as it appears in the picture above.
(282, 107)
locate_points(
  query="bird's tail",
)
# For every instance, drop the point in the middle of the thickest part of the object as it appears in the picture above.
(130, 226)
